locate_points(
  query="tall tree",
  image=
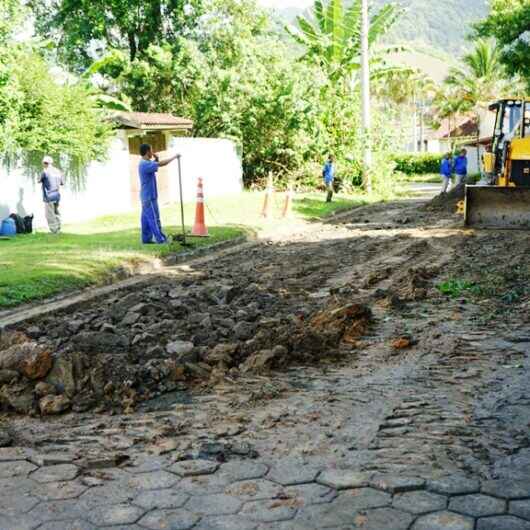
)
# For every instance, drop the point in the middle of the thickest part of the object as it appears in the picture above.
(509, 23)
(411, 91)
(38, 114)
(480, 79)
(82, 28)
(332, 37)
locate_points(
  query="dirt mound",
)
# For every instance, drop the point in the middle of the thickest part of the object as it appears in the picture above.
(113, 356)
(448, 201)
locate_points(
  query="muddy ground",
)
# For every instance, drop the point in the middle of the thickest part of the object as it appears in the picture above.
(394, 340)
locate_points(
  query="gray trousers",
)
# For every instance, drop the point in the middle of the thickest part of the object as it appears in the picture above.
(329, 190)
(53, 216)
(446, 183)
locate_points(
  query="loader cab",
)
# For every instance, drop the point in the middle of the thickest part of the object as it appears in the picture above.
(509, 161)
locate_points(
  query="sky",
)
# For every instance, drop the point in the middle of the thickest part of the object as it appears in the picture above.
(285, 3)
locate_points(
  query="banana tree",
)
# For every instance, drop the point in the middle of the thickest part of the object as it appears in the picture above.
(332, 36)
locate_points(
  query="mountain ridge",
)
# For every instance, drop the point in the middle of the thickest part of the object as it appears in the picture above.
(442, 25)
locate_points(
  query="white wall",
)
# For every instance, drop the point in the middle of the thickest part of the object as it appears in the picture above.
(108, 185)
(215, 160)
(106, 191)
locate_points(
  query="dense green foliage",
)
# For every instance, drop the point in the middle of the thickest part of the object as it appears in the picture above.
(55, 119)
(469, 88)
(80, 27)
(333, 39)
(481, 78)
(418, 163)
(509, 23)
(237, 79)
(39, 114)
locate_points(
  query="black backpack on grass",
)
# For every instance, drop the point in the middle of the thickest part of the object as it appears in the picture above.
(23, 225)
(19, 223)
(28, 223)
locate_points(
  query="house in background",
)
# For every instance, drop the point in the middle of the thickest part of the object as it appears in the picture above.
(112, 186)
(463, 132)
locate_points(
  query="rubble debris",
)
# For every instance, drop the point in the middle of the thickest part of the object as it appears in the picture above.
(113, 370)
(447, 201)
(415, 283)
(44, 389)
(52, 404)
(402, 343)
(28, 358)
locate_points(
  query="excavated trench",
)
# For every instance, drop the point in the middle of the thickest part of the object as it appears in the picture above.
(336, 343)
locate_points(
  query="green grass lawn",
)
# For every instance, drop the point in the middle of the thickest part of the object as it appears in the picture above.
(40, 265)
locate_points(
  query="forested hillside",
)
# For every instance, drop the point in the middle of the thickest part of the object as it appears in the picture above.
(441, 24)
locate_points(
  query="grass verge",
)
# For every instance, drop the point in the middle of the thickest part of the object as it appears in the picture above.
(40, 265)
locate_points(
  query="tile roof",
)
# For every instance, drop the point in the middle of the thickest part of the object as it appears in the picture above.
(146, 120)
(466, 128)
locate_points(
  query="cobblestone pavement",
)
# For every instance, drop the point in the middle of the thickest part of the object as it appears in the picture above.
(433, 436)
(288, 494)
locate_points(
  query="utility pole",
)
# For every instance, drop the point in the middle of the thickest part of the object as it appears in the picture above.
(365, 90)
(415, 126)
(420, 148)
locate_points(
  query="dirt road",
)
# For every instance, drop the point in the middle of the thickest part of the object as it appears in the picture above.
(394, 342)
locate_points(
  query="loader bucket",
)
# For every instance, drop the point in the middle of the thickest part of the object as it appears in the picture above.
(497, 207)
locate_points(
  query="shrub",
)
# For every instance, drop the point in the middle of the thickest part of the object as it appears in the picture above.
(418, 163)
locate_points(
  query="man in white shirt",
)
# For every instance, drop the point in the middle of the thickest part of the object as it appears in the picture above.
(51, 181)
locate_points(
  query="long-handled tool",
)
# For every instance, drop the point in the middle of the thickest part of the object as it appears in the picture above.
(181, 238)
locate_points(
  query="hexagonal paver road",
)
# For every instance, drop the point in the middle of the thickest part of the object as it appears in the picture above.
(157, 494)
(477, 505)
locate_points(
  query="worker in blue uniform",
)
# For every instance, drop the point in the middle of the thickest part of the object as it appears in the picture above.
(328, 174)
(461, 167)
(147, 169)
(446, 171)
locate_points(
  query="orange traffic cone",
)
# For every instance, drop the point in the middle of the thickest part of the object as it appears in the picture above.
(267, 205)
(289, 197)
(199, 228)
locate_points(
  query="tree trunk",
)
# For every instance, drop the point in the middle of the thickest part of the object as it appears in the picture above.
(133, 49)
(415, 126)
(422, 132)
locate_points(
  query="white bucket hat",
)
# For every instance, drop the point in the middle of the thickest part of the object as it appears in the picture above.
(47, 160)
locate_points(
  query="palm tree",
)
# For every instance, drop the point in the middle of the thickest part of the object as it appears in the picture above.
(333, 36)
(447, 105)
(480, 79)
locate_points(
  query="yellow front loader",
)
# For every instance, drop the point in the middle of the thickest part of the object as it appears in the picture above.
(503, 200)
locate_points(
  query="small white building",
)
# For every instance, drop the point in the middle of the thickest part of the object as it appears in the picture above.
(460, 132)
(112, 186)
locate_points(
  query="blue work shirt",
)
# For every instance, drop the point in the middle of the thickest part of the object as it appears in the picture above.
(328, 173)
(461, 165)
(446, 168)
(147, 170)
(51, 181)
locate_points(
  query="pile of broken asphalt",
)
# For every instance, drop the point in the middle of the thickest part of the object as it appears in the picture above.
(135, 346)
